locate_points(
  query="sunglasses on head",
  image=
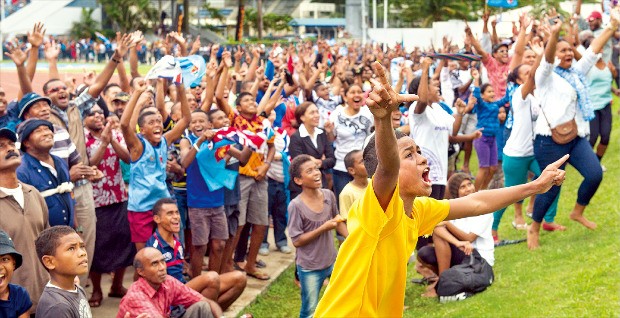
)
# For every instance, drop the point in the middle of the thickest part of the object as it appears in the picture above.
(56, 89)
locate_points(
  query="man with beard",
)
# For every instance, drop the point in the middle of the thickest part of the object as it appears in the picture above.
(113, 248)
(69, 115)
(23, 215)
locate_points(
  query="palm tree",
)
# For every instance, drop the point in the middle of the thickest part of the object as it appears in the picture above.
(130, 15)
(259, 16)
(240, 21)
(86, 27)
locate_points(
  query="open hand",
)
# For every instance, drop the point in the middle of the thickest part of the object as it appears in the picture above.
(17, 55)
(52, 50)
(36, 37)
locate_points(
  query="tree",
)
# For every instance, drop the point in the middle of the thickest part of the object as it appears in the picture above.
(130, 15)
(259, 17)
(86, 27)
(276, 22)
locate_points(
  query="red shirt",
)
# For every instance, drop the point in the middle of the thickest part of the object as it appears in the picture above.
(111, 188)
(142, 298)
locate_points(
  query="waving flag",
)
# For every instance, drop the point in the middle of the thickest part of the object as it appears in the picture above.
(167, 67)
(502, 3)
(193, 68)
(102, 38)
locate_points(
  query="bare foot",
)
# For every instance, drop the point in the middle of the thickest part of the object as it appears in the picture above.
(581, 219)
(430, 293)
(532, 239)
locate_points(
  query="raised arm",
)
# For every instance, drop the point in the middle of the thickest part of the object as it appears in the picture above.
(133, 54)
(530, 84)
(381, 101)
(524, 22)
(420, 106)
(553, 41)
(129, 131)
(487, 201)
(178, 37)
(160, 98)
(476, 44)
(123, 43)
(183, 122)
(253, 65)
(35, 39)
(52, 50)
(123, 80)
(223, 81)
(19, 57)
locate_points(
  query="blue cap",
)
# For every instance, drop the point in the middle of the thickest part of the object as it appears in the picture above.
(8, 134)
(28, 100)
(26, 128)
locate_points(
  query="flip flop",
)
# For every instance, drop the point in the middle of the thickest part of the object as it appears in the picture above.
(258, 275)
(94, 303)
(519, 227)
(237, 267)
(550, 227)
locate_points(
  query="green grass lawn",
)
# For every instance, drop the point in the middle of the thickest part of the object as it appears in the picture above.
(574, 274)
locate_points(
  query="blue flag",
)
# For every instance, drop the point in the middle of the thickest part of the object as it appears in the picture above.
(502, 3)
(193, 68)
(214, 172)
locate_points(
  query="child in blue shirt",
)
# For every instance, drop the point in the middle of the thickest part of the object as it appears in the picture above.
(487, 109)
(14, 299)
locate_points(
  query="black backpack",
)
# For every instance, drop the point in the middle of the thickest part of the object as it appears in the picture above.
(462, 281)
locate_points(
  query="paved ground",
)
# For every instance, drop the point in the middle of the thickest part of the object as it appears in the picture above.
(276, 264)
(276, 261)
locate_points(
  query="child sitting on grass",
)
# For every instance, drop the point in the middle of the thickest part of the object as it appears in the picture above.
(354, 163)
(370, 272)
(313, 214)
(63, 254)
(14, 299)
(453, 241)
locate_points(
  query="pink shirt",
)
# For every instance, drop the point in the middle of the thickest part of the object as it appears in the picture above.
(111, 188)
(142, 298)
(498, 75)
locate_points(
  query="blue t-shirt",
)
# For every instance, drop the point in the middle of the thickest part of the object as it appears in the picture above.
(172, 255)
(487, 113)
(198, 193)
(18, 303)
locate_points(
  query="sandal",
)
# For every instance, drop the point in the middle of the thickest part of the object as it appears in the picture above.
(95, 302)
(259, 275)
(237, 267)
(550, 227)
(519, 227)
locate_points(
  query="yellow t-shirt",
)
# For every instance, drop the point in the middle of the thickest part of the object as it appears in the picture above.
(370, 272)
(349, 194)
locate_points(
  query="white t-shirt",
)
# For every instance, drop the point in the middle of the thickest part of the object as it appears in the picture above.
(350, 131)
(430, 131)
(524, 113)
(481, 226)
(17, 193)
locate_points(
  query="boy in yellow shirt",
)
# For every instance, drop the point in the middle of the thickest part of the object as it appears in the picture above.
(354, 163)
(370, 272)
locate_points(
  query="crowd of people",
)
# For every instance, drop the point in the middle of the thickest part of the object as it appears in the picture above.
(101, 175)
